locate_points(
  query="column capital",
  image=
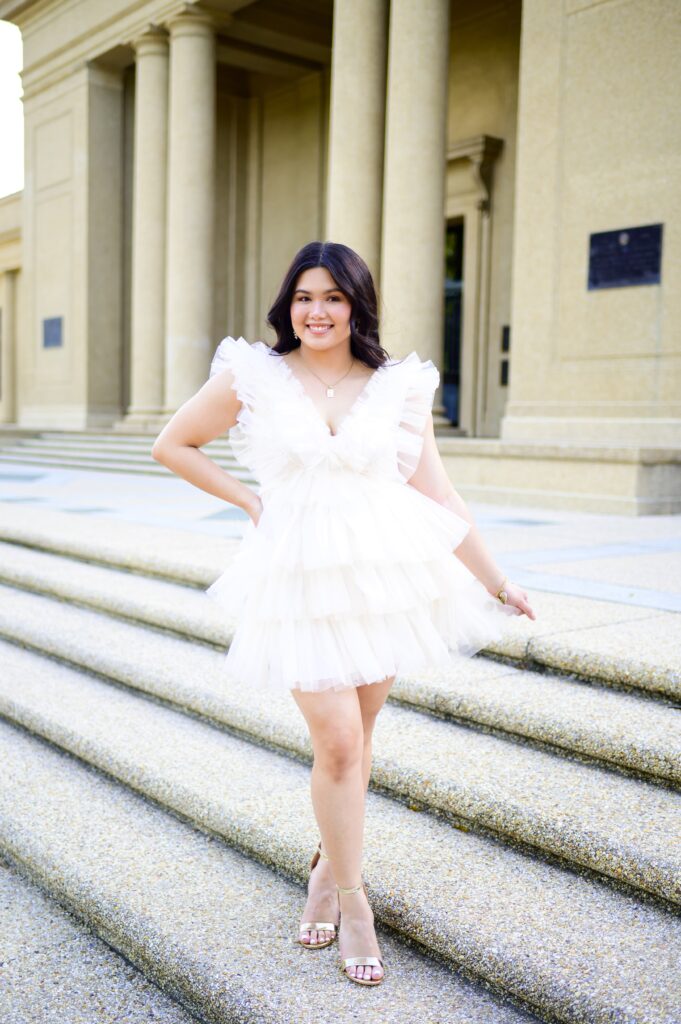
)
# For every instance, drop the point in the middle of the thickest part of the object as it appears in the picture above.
(154, 39)
(190, 20)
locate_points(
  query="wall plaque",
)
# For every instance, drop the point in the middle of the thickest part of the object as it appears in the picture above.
(625, 257)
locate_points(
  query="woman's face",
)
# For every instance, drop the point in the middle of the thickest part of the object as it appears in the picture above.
(318, 303)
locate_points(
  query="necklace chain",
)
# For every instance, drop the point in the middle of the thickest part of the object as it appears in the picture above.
(330, 388)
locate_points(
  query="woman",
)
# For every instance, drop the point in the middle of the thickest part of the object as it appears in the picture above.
(345, 574)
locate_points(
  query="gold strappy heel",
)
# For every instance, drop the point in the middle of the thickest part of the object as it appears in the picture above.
(361, 961)
(308, 926)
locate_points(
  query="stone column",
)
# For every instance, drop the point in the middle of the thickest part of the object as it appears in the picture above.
(149, 226)
(357, 127)
(9, 349)
(191, 201)
(412, 255)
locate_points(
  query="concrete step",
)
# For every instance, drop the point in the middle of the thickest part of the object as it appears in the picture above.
(11, 430)
(55, 970)
(617, 729)
(603, 653)
(568, 947)
(105, 463)
(580, 813)
(83, 438)
(134, 449)
(211, 928)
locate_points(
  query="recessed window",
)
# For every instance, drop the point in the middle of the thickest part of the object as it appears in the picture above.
(52, 332)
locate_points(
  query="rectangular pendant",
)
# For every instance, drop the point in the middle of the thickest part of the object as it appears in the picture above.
(329, 392)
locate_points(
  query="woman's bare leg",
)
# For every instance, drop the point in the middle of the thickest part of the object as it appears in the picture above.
(371, 700)
(342, 761)
(335, 724)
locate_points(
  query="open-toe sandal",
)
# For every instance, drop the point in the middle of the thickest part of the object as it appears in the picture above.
(319, 926)
(360, 961)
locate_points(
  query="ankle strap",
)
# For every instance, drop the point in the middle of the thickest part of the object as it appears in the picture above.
(355, 888)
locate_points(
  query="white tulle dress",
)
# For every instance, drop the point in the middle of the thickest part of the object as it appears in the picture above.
(349, 576)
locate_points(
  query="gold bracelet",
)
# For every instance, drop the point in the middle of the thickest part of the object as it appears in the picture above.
(501, 593)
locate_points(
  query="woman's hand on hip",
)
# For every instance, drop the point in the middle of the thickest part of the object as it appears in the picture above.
(254, 509)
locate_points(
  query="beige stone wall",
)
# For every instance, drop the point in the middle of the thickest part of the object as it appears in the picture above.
(599, 149)
(11, 284)
(482, 100)
(72, 235)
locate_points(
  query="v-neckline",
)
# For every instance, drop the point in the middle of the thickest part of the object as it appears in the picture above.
(356, 403)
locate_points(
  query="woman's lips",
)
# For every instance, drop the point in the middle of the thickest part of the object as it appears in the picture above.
(319, 328)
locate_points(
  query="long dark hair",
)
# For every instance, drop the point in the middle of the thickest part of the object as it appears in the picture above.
(353, 278)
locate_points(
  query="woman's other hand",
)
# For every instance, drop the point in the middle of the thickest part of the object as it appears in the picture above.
(518, 599)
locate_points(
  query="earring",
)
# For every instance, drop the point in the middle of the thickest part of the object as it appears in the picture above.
(296, 336)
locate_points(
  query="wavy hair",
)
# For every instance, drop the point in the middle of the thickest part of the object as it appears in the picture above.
(353, 277)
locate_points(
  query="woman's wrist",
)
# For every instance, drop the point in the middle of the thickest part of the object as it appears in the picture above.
(497, 589)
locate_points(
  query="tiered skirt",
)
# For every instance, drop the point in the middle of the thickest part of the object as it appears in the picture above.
(350, 583)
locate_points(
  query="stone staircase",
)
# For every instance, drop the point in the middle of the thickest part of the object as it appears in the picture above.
(100, 451)
(522, 848)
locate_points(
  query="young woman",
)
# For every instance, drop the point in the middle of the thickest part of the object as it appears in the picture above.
(346, 572)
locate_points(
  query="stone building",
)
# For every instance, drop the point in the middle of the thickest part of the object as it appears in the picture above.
(511, 172)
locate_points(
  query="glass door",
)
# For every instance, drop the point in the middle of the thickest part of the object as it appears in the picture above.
(451, 383)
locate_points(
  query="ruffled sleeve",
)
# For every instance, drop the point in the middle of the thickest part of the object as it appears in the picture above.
(420, 382)
(236, 355)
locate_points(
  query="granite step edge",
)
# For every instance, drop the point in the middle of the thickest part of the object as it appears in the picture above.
(54, 968)
(174, 901)
(125, 550)
(490, 705)
(467, 803)
(501, 959)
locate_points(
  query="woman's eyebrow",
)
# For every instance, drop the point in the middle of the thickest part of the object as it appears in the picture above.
(305, 292)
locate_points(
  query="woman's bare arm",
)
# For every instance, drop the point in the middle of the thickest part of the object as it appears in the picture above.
(203, 417)
(430, 477)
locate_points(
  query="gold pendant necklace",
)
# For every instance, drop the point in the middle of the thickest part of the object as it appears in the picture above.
(331, 388)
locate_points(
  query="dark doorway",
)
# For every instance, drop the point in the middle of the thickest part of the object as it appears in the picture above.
(451, 383)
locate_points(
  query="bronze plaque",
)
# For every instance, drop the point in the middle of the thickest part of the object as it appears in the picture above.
(628, 256)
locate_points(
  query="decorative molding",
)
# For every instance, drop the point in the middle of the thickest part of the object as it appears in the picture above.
(481, 151)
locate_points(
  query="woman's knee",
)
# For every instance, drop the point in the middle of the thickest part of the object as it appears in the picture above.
(339, 750)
